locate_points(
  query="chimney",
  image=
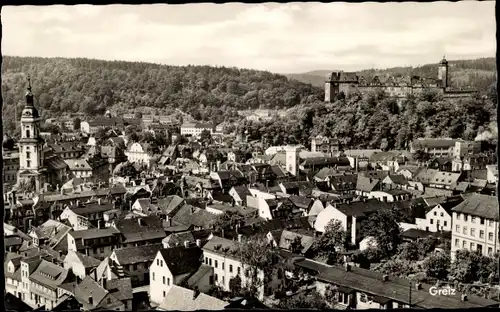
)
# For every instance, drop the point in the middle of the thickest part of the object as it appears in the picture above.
(91, 300)
(196, 292)
(198, 242)
(186, 244)
(385, 277)
(463, 297)
(240, 236)
(418, 286)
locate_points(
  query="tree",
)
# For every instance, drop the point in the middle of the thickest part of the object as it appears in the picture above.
(437, 266)
(331, 242)
(205, 137)
(126, 169)
(304, 300)
(235, 286)
(77, 123)
(409, 251)
(229, 219)
(421, 156)
(383, 226)
(138, 115)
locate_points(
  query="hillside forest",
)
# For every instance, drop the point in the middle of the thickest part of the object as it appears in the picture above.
(68, 86)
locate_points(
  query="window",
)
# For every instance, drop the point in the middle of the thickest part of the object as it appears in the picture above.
(168, 281)
(216, 263)
(465, 217)
(28, 134)
(457, 242)
(134, 267)
(432, 221)
(481, 220)
(163, 280)
(490, 251)
(458, 216)
(473, 219)
(164, 294)
(230, 268)
(223, 265)
(28, 163)
(158, 262)
(471, 246)
(490, 222)
(206, 260)
(458, 228)
(490, 236)
(239, 270)
(465, 230)
(216, 277)
(153, 276)
(464, 244)
(481, 234)
(28, 155)
(472, 232)
(435, 213)
(445, 223)
(210, 262)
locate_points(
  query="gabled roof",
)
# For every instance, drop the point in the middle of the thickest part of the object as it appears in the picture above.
(170, 204)
(242, 191)
(121, 288)
(479, 205)
(181, 260)
(138, 254)
(88, 288)
(425, 175)
(140, 229)
(87, 261)
(362, 208)
(445, 178)
(366, 184)
(183, 299)
(49, 275)
(287, 238)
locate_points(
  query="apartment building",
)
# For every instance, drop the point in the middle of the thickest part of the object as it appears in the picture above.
(475, 225)
(195, 129)
(222, 255)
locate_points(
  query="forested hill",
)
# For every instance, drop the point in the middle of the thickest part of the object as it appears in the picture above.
(91, 86)
(478, 74)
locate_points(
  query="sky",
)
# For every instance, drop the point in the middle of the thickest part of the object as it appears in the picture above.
(281, 38)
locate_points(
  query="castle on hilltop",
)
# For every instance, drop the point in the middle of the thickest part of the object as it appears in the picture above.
(400, 87)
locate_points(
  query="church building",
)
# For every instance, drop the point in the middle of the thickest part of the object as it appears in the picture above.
(35, 168)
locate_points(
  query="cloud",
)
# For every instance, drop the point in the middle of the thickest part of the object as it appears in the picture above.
(294, 37)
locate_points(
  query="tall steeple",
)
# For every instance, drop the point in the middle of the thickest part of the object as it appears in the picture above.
(29, 94)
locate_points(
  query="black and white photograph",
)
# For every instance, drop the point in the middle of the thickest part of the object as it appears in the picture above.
(203, 156)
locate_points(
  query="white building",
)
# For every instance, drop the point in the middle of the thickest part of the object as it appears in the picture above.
(140, 153)
(222, 255)
(195, 129)
(475, 225)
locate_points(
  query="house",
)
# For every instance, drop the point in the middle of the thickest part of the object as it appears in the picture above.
(425, 176)
(408, 171)
(222, 255)
(325, 145)
(440, 163)
(285, 240)
(141, 153)
(121, 289)
(140, 231)
(396, 181)
(52, 234)
(390, 195)
(193, 216)
(195, 129)
(172, 266)
(42, 280)
(12, 272)
(446, 180)
(239, 194)
(475, 224)
(492, 173)
(93, 296)
(135, 262)
(357, 288)
(97, 243)
(388, 161)
(351, 215)
(366, 185)
(182, 299)
(227, 179)
(145, 207)
(85, 216)
(343, 183)
(81, 265)
(439, 147)
(438, 216)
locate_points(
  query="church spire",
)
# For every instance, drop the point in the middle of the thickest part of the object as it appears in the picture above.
(29, 94)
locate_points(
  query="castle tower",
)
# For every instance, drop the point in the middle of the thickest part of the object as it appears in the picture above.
(443, 73)
(331, 86)
(30, 144)
(292, 159)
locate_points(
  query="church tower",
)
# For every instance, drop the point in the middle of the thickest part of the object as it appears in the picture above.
(30, 144)
(443, 73)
